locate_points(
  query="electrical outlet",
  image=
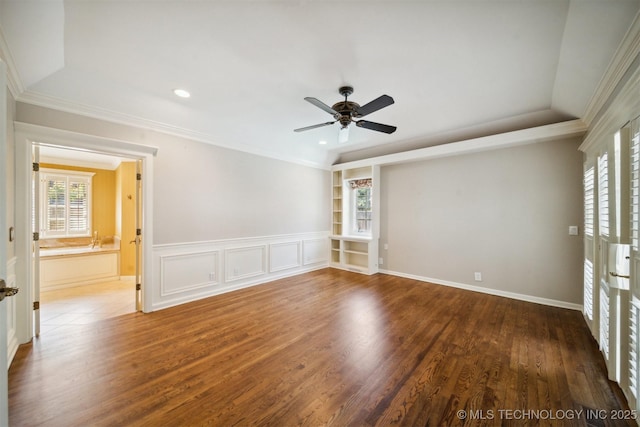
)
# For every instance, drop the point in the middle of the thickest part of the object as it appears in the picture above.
(380, 261)
(212, 276)
(477, 276)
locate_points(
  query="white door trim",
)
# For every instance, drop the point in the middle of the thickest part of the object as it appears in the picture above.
(4, 362)
(25, 136)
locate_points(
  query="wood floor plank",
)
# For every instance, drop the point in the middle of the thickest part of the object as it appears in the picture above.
(324, 348)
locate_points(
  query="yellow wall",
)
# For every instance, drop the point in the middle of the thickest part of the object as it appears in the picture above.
(103, 207)
(113, 207)
(125, 202)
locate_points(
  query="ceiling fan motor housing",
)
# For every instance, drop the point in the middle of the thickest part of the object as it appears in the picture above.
(347, 109)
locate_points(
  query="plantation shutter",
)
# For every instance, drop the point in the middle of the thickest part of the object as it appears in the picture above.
(78, 206)
(56, 204)
(634, 217)
(635, 190)
(603, 194)
(604, 319)
(588, 289)
(633, 347)
(66, 203)
(589, 185)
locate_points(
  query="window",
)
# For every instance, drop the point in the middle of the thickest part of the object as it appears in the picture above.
(65, 207)
(360, 204)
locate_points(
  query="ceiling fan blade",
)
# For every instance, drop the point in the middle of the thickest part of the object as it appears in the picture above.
(376, 126)
(343, 136)
(313, 127)
(323, 106)
(375, 105)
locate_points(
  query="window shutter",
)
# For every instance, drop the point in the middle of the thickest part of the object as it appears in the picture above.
(635, 189)
(588, 289)
(66, 203)
(603, 194)
(604, 319)
(56, 191)
(588, 201)
(78, 206)
(633, 348)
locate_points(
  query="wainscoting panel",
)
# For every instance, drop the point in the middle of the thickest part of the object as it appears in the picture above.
(315, 250)
(243, 263)
(184, 272)
(284, 256)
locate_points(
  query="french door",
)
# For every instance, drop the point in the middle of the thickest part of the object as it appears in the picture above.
(612, 255)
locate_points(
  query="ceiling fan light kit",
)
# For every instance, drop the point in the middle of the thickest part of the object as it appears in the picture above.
(345, 112)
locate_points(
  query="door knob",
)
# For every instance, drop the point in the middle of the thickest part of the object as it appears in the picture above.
(6, 292)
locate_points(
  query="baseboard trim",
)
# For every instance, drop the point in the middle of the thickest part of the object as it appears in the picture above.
(496, 292)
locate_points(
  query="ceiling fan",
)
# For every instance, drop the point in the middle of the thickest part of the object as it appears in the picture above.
(346, 112)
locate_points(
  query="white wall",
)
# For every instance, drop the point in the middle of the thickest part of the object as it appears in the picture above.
(504, 213)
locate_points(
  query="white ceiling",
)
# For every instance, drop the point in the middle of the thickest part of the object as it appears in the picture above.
(454, 68)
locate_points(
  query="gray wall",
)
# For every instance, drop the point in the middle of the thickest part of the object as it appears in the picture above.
(204, 192)
(504, 213)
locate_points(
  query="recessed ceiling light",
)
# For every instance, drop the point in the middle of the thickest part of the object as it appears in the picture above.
(322, 142)
(181, 93)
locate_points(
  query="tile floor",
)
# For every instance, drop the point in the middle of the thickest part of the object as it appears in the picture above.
(85, 304)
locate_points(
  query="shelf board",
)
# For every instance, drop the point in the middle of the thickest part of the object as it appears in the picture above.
(351, 251)
(356, 267)
(349, 238)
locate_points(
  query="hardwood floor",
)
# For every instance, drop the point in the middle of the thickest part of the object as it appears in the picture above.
(324, 348)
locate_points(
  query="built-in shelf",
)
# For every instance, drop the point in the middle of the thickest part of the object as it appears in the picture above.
(353, 252)
(348, 252)
(336, 227)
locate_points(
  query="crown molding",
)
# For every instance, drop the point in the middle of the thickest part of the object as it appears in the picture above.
(623, 58)
(111, 116)
(624, 107)
(13, 79)
(568, 129)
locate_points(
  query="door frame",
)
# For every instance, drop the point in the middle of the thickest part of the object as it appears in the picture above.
(26, 135)
(4, 363)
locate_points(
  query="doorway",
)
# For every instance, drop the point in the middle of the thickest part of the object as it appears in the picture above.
(85, 214)
(27, 136)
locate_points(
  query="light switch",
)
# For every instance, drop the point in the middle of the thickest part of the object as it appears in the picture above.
(573, 230)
